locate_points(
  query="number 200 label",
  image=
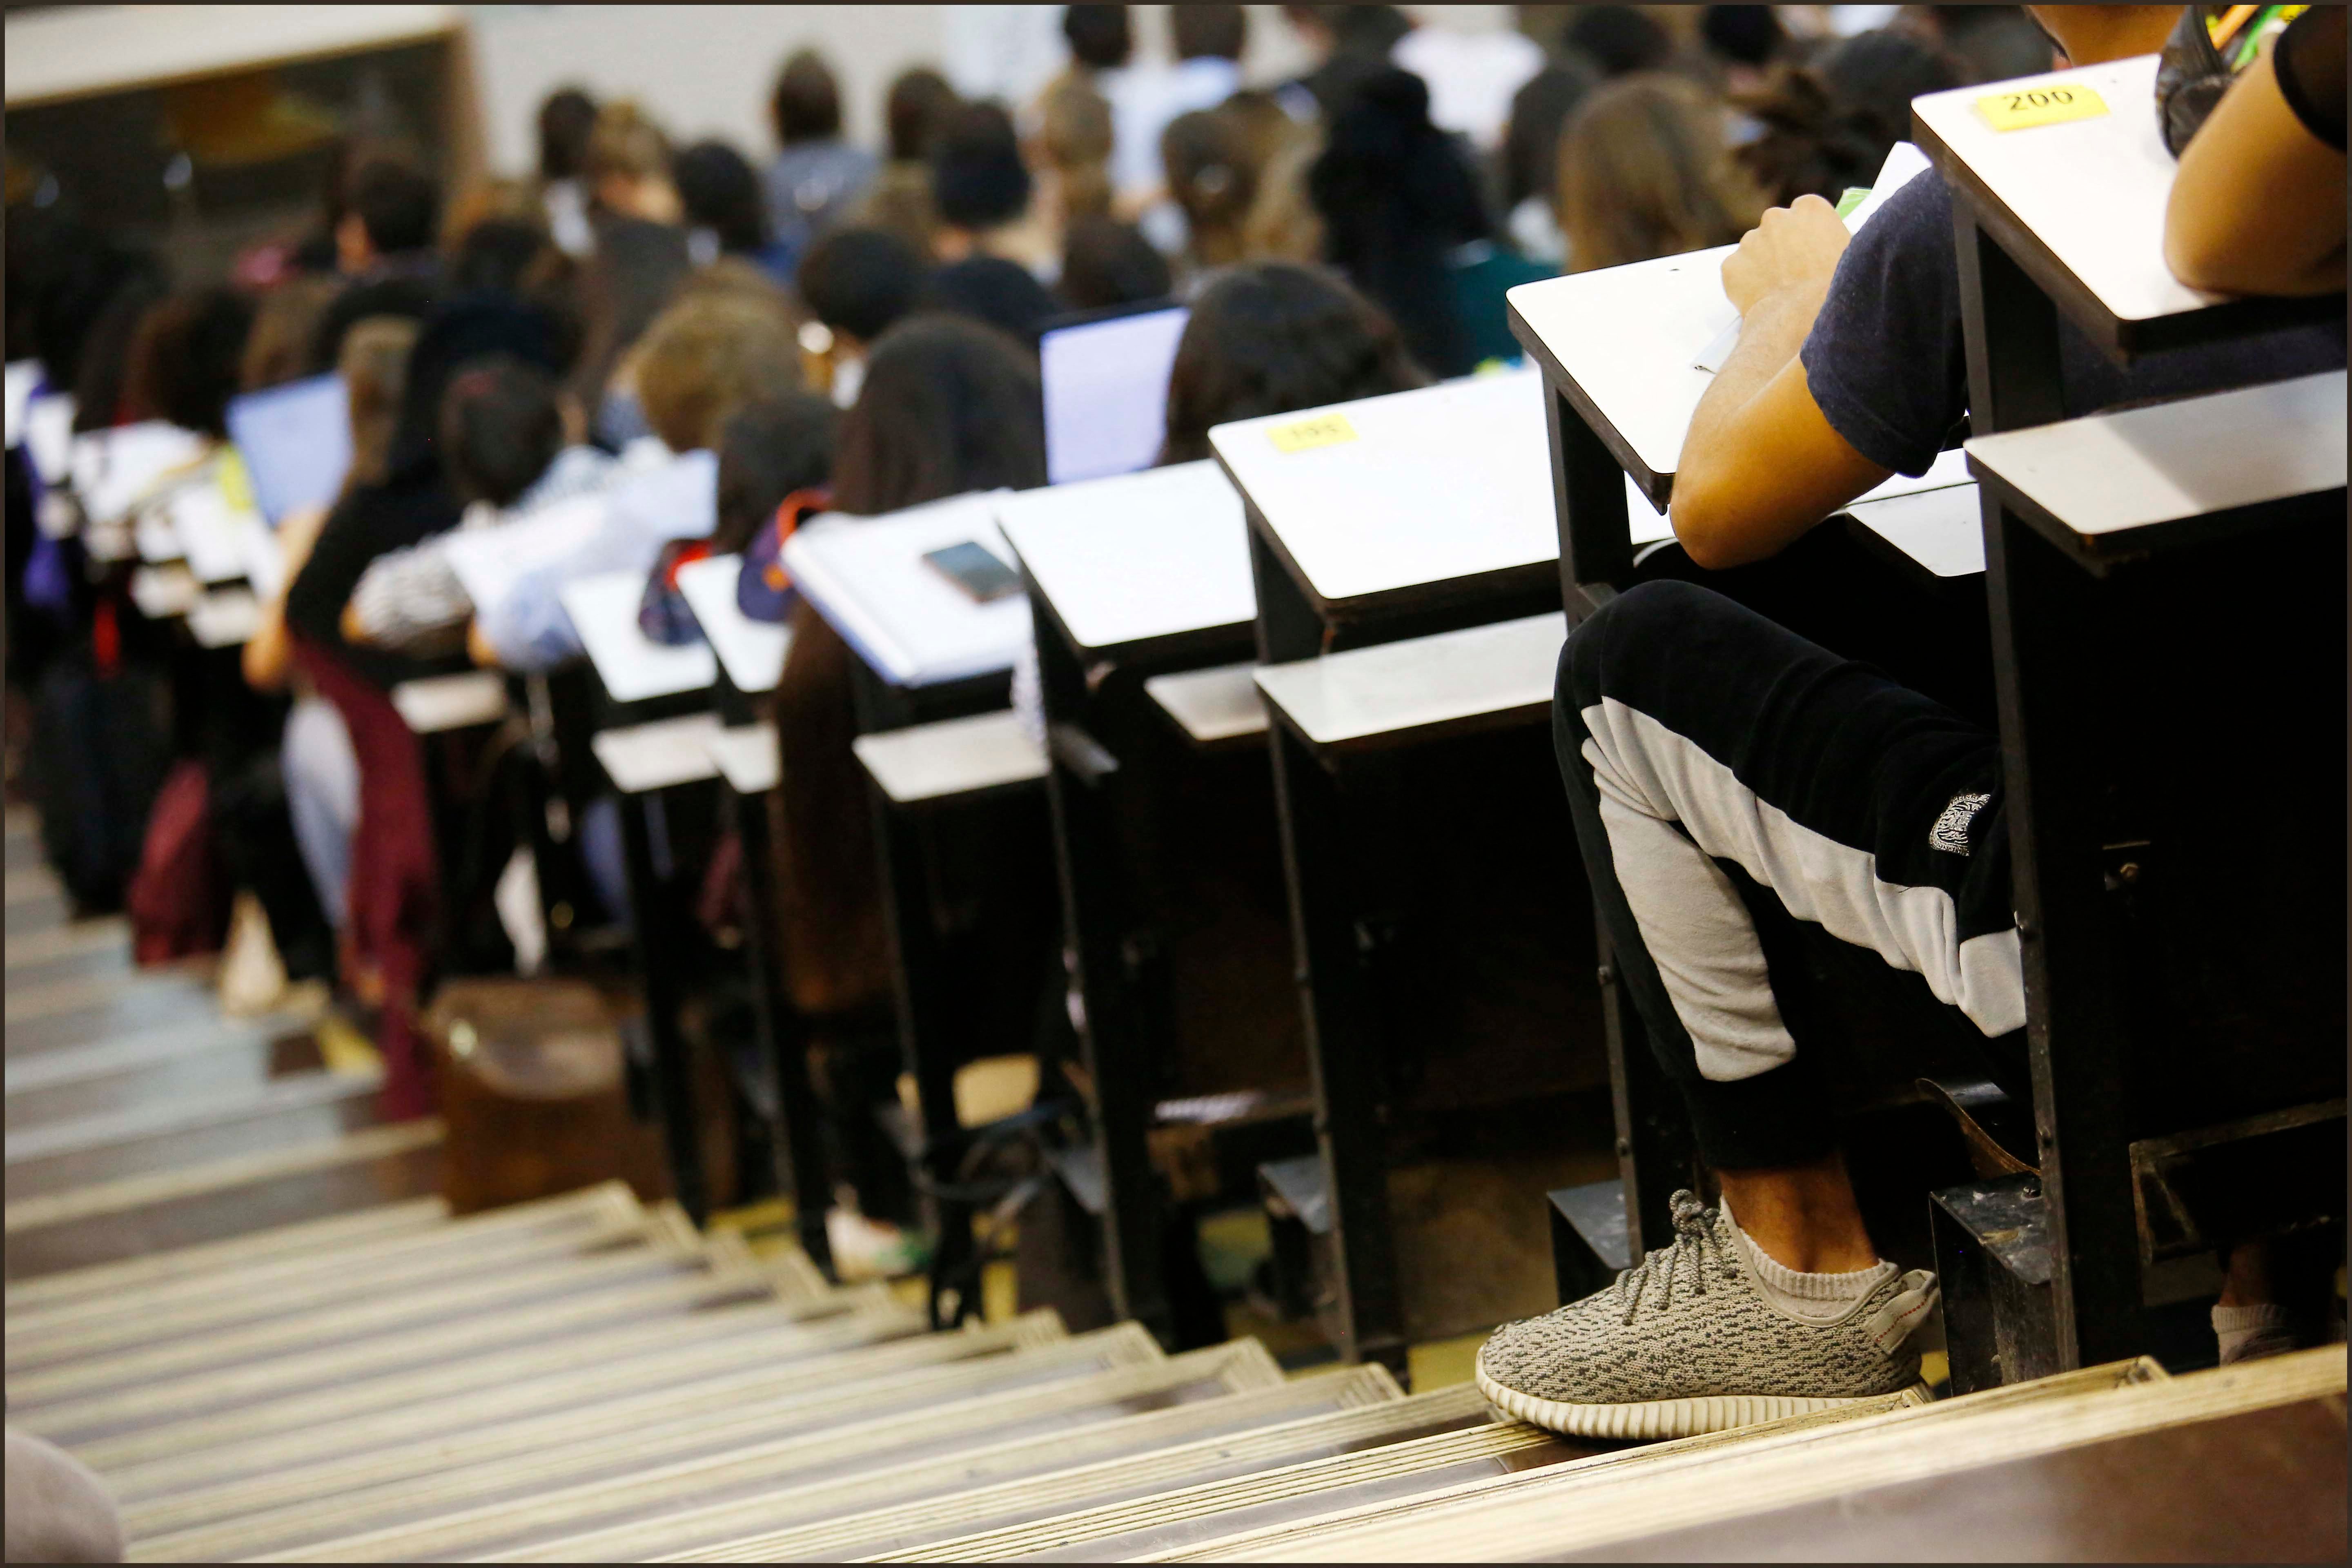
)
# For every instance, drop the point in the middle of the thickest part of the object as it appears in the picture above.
(2025, 108)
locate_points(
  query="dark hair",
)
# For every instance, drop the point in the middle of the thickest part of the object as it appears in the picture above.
(565, 121)
(498, 253)
(948, 405)
(807, 102)
(188, 359)
(1106, 262)
(1209, 32)
(917, 110)
(1213, 177)
(977, 180)
(399, 207)
(720, 192)
(1396, 196)
(1531, 143)
(1830, 124)
(500, 427)
(1269, 337)
(991, 289)
(458, 332)
(1618, 38)
(1744, 35)
(767, 450)
(860, 280)
(1098, 35)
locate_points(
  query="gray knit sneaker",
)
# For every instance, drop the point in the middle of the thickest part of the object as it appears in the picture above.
(1687, 1342)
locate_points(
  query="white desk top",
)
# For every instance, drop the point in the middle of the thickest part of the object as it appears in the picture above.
(750, 652)
(953, 757)
(163, 592)
(1220, 704)
(746, 757)
(1419, 682)
(1629, 338)
(1941, 530)
(911, 625)
(633, 666)
(225, 618)
(1141, 556)
(213, 534)
(435, 703)
(658, 755)
(50, 438)
(1448, 481)
(2111, 473)
(2093, 191)
(22, 375)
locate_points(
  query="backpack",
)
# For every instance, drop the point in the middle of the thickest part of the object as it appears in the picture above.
(764, 590)
(178, 905)
(663, 615)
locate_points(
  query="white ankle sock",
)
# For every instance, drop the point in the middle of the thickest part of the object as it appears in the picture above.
(2247, 1332)
(1810, 1297)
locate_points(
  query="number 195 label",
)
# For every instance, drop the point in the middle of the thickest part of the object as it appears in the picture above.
(2023, 109)
(1306, 435)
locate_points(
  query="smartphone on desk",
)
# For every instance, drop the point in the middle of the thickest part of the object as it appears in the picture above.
(974, 569)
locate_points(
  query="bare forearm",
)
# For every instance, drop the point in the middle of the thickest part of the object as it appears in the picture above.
(1771, 334)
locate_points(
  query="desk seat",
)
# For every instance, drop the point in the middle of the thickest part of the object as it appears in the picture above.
(1477, 679)
(923, 763)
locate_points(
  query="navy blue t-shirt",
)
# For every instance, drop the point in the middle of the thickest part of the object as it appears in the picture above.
(1887, 366)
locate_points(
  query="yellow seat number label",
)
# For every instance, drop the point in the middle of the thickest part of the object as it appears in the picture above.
(1306, 435)
(2023, 109)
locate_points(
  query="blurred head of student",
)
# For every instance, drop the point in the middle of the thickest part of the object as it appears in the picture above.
(373, 364)
(2092, 35)
(1742, 41)
(390, 210)
(1107, 263)
(1618, 39)
(566, 121)
(978, 181)
(502, 423)
(807, 104)
(1643, 174)
(1396, 196)
(1531, 143)
(767, 450)
(1074, 138)
(1098, 36)
(916, 111)
(503, 254)
(188, 358)
(284, 323)
(628, 165)
(858, 282)
(1270, 337)
(1828, 125)
(1209, 32)
(721, 200)
(706, 356)
(1211, 176)
(948, 405)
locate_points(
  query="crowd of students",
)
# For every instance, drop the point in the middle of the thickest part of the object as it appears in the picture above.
(644, 352)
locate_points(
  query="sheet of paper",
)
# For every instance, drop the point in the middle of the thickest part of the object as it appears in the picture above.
(1105, 392)
(1904, 163)
(24, 374)
(115, 469)
(489, 561)
(212, 532)
(49, 437)
(297, 442)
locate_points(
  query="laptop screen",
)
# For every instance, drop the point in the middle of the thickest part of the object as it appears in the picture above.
(297, 443)
(1106, 392)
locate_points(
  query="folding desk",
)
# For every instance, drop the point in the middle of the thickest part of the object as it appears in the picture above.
(1392, 526)
(927, 652)
(645, 745)
(1136, 582)
(750, 656)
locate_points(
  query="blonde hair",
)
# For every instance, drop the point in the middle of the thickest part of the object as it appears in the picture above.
(1283, 224)
(627, 142)
(1074, 142)
(373, 364)
(285, 332)
(1643, 174)
(709, 354)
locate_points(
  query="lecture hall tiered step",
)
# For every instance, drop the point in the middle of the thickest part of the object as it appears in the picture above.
(588, 1379)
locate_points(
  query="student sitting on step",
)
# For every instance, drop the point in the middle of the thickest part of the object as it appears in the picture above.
(1734, 783)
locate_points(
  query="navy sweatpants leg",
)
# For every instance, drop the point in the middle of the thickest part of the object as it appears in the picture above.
(1710, 757)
